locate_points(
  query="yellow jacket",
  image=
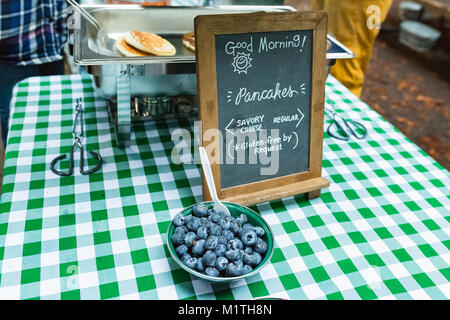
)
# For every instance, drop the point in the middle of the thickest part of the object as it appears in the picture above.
(356, 24)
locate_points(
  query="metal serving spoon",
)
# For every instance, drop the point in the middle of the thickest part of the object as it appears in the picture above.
(102, 35)
(218, 205)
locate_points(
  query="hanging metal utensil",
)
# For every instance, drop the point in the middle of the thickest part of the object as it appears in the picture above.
(77, 137)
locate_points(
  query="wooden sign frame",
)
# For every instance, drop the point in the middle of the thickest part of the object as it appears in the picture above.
(206, 28)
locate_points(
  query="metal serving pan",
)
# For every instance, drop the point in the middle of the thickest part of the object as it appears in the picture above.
(169, 22)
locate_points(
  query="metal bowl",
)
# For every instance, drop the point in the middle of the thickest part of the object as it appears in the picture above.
(235, 210)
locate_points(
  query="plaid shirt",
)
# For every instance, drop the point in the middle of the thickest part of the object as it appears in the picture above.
(32, 31)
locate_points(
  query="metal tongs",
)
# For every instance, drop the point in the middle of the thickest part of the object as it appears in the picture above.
(102, 36)
(344, 129)
(77, 137)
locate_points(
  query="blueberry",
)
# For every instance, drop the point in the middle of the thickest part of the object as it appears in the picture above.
(246, 269)
(248, 258)
(215, 230)
(221, 263)
(228, 234)
(259, 231)
(222, 240)
(211, 242)
(211, 271)
(220, 250)
(239, 263)
(181, 250)
(242, 219)
(200, 266)
(191, 262)
(234, 269)
(225, 222)
(181, 229)
(189, 239)
(185, 257)
(248, 250)
(252, 259)
(260, 246)
(211, 225)
(221, 214)
(192, 223)
(178, 238)
(200, 210)
(214, 217)
(179, 219)
(202, 232)
(235, 243)
(247, 226)
(199, 247)
(204, 221)
(249, 237)
(209, 258)
(233, 255)
(235, 226)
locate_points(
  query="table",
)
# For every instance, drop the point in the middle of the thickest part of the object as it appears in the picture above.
(381, 230)
(443, 6)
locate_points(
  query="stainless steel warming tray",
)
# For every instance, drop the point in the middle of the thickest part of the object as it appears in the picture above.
(139, 87)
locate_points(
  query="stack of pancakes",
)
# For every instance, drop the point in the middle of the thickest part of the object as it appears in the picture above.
(140, 44)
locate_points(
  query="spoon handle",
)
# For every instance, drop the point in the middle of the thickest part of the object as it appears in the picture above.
(208, 174)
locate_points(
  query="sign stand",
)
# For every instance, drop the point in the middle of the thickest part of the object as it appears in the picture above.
(261, 85)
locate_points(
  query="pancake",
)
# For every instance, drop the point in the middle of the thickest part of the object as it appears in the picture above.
(150, 42)
(189, 41)
(128, 51)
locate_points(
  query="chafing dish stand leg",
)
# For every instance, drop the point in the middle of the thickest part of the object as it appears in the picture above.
(123, 120)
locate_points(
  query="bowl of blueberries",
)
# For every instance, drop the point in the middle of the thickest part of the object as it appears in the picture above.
(218, 247)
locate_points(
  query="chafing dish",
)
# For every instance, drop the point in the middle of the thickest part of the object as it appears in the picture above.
(143, 87)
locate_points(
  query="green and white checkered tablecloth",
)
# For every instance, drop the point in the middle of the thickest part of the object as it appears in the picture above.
(381, 230)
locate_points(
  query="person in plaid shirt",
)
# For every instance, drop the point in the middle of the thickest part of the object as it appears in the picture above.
(32, 36)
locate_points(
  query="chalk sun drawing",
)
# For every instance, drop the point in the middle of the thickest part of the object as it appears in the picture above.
(241, 62)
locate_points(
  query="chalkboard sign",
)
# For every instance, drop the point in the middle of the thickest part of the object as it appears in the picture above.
(264, 83)
(261, 84)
